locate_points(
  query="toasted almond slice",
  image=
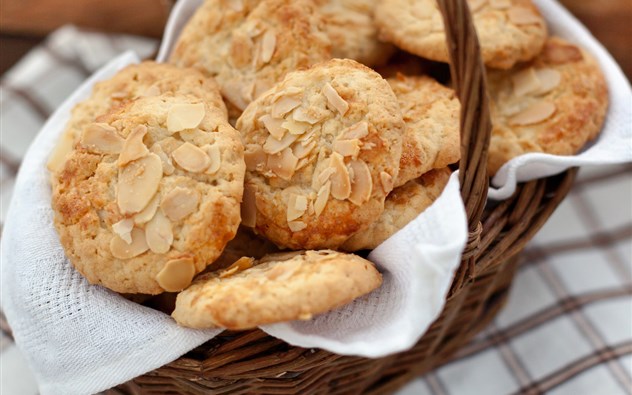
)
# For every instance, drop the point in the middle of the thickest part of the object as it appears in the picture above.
(101, 138)
(123, 229)
(283, 164)
(176, 275)
(236, 5)
(334, 99)
(296, 207)
(561, 53)
(148, 212)
(523, 16)
(123, 250)
(152, 91)
(239, 265)
(232, 91)
(358, 131)
(387, 182)
(536, 113)
(295, 127)
(133, 148)
(293, 91)
(159, 234)
(301, 164)
(167, 164)
(179, 202)
(273, 126)
(120, 95)
(549, 80)
(347, 147)
(249, 207)
(255, 157)
(284, 105)
(301, 151)
(60, 153)
(215, 156)
(525, 81)
(274, 146)
(268, 45)
(183, 116)
(322, 198)
(296, 226)
(326, 174)
(138, 183)
(500, 4)
(191, 158)
(340, 180)
(310, 116)
(362, 185)
(476, 5)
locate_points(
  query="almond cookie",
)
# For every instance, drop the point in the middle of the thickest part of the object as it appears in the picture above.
(279, 287)
(554, 104)
(249, 45)
(322, 151)
(431, 137)
(402, 205)
(134, 81)
(352, 31)
(509, 31)
(151, 194)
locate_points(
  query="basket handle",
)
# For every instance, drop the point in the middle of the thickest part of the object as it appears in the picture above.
(468, 75)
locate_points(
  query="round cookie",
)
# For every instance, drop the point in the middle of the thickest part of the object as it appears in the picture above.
(151, 194)
(279, 287)
(134, 81)
(509, 31)
(322, 151)
(431, 137)
(402, 205)
(352, 31)
(554, 104)
(249, 45)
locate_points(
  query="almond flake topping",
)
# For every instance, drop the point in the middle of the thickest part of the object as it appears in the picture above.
(236, 5)
(302, 163)
(340, 180)
(255, 157)
(536, 113)
(176, 275)
(296, 207)
(324, 176)
(334, 99)
(124, 250)
(268, 44)
(179, 203)
(273, 126)
(185, 116)
(358, 131)
(283, 164)
(362, 185)
(62, 150)
(238, 266)
(138, 183)
(191, 158)
(249, 206)
(159, 234)
(101, 138)
(152, 91)
(322, 198)
(123, 229)
(216, 158)
(387, 182)
(295, 127)
(119, 95)
(284, 105)
(233, 92)
(167, 164)
(301, 151)
(557, 53)
(296, 226)
(148, 212)
(274, 146)
(523, 16)
(133, 148)
(549, 80)
(525, 81)
(347, 147)
(302, 115)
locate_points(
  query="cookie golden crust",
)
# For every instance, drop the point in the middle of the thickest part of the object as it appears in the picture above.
(554, 104)
(402, 205)
(509, 31)
(350, 26)
(250, 45)
(151, 194)
(134, 81)
(278, 288)
(322, 151)
(431, 137)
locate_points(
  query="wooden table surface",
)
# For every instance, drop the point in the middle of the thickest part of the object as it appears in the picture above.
(23, 23)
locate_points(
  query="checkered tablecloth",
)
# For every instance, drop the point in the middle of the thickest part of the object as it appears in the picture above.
(567, 329)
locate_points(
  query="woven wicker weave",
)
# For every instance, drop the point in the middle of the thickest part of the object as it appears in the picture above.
(252, 362)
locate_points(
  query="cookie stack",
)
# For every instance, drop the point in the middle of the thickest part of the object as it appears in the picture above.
(268, 150)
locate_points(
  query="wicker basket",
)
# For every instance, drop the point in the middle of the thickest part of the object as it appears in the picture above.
(252, 362)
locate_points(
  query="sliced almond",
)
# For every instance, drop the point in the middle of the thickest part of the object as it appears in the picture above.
(236, 5)
(302, 163)
(215, 156)
(536, 113)
(325, 175)
(101, 138)
(283, 164)
(273, 126)
(159, 234)
(296, 226)
(334, 99)
(60, 153)
(191, 158)
(387, 182)
(138, 183)
(322, 198)
(179, 202)
(347, 147)
(238, 266)
(123, 250)
(185, 116)
(561, 53)
(284, 105)
(367, 146)
(362, 185)
(148, 212)
(120, 95)
(523, 16)
(274, 146)
(340, 180)
(525, 81)
(167, 164)
(295, 127)
(358, 131)
(134, 148)
(255, 157)
(268, 45)
(296, 207)
(249, 207)
(292, 91)
(549, 80)
(233, 92)
(123, 229)
(500, 4)
(301, 151)
(176, 275)
(310, 116)
(152, 91)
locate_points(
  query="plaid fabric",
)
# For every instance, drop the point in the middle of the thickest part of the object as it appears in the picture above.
(567, 328)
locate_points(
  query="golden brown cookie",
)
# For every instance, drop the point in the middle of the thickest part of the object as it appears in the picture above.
(431, 137)
(151, 194)
(509, 31)
(554, 104)
(134, 81)
(352, 31)
(279, 287)
(250, 45)
(402, 205)
(322, 152)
